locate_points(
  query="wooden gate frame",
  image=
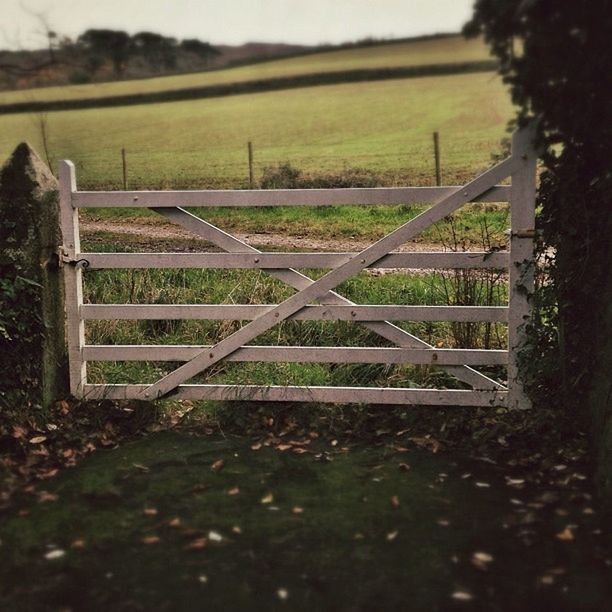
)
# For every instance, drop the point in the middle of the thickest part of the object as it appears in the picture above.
(520, 166)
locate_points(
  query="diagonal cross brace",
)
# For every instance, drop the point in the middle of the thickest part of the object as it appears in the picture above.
(333, 278)
(297, 280)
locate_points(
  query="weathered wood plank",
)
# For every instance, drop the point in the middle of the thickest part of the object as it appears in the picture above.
(421, 260)
(522, 264)
(332, 279)
(247, 312)
(300, 354)
(279, 197)
(73, 283)
(332, 395)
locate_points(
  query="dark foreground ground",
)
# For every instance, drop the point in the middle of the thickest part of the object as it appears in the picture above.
(180, 522)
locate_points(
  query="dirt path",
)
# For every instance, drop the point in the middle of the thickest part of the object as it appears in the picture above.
(153, 233)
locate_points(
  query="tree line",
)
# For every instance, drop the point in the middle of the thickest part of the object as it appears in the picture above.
(107, 53)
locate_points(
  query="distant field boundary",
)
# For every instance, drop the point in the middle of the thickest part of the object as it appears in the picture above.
(254, 86)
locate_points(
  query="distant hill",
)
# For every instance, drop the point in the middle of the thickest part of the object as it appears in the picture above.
(256, 51)
(71, 66)
(368, 60)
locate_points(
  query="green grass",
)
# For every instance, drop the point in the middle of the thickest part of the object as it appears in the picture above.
(482, 225)
(419, 53)
(384, 126)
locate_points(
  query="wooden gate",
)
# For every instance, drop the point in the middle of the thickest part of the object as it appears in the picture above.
(314, 299)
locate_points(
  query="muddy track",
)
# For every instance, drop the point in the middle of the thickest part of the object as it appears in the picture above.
(152, 234)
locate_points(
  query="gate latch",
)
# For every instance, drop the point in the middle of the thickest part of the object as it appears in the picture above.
(65, 259)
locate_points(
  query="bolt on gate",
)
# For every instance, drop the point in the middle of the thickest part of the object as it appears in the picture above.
(314, 299)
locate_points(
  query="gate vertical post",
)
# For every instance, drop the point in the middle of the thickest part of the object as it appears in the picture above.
(73, 279)
(522, 264)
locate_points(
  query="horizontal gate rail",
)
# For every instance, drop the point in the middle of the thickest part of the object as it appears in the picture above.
(247, 312)
(300, 354)
(421, 260)
(279, 197)
(334, 395)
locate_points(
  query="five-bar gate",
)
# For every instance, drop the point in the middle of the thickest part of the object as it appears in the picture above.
(314, 299)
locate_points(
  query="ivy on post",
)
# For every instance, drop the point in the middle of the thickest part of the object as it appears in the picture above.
(32, 347)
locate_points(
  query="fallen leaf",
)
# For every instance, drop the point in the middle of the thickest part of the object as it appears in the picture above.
(37, 439)
(236, 529)
(233, 491)
(45, 496)
(175, 522)
(217, 465)
(78, 544)
(197, 544)
(547, 580)
(481, 560)
(48, 473)
(267, 499)
(19, 432)
(566, 535)
(482, 485)
(283, 447)
(283, 594)
(150, 511)
(299, 451)
(152, 539)
(203, 578)
(197, 488)
(395, 502)
(392, 535)
(256, 446)
(55, 554)
(404, 466)
(443, 522)
(215, 536)
(426, 442)
(515, 482)
(297, 510)
(462, 596)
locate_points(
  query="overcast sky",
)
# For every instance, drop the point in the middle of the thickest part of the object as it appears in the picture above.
(236, 21)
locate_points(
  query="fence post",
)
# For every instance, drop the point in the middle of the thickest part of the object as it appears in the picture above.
(124, 163)
(522, 264)
(32, 349)
(436, 140)
(73, 281)
(251, 181)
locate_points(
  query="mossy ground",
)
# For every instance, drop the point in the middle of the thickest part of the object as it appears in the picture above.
(352, 548)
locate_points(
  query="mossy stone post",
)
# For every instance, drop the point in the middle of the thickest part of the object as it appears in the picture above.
(32, 345)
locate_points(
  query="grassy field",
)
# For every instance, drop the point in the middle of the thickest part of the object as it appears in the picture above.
(419, 53)
(383, 126)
